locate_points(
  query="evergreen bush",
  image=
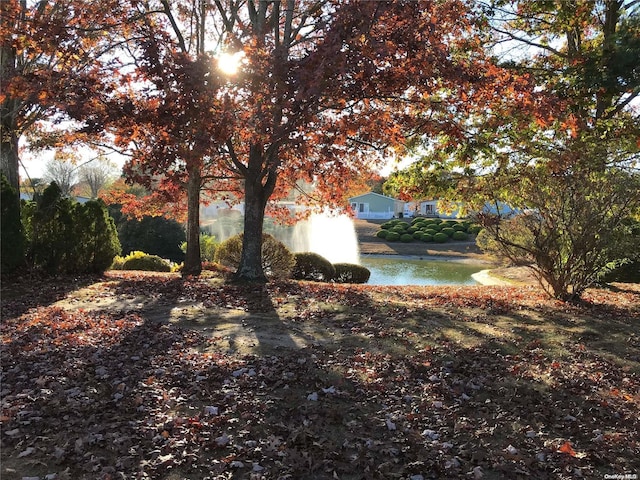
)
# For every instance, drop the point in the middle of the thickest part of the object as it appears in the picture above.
(448, 231)
(440, 237)
(351, 273)
(155, 235)
(64, 236)
(459, 235)
(311, 266)
(459, 227)
(382, 234)
(427, 237)
(474, 229)
(418, 235)
(393, 236)
(12, 241)
(406, 238)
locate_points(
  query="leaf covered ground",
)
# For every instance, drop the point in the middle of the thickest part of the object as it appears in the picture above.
(137, 375)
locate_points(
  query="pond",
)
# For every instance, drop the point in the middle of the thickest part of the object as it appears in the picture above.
(391, 270)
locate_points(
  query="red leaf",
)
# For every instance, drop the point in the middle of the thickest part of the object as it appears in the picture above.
(567, 448)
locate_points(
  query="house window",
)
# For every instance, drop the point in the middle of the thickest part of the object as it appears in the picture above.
(361, 208)
(428, 209)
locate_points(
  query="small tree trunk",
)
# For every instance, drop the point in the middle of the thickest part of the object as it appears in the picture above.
(192, 262)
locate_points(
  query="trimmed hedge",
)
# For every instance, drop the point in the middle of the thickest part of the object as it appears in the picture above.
(448, 231)
(351, 273)
(406, 238)
(459, 235)
(474, 229)
(393, 236)
(427, 237)
(440, 237)
(382, 233)
(314, 267)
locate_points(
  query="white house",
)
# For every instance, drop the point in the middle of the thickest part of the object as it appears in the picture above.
(376, 206)
(429, 208)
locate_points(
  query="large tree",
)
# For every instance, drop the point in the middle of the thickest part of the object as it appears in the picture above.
(324, 90)
(572, 165)
(52, 54)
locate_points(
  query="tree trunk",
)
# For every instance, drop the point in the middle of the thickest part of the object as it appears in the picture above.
(9, 161)
(255, 200)
(192, 262)
(259, 182)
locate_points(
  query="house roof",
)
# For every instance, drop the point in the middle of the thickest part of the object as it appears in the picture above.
(377, 195)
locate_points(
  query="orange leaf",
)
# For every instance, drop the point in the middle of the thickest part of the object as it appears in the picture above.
(567, 448)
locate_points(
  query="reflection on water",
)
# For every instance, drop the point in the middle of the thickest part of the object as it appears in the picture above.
(403, 271)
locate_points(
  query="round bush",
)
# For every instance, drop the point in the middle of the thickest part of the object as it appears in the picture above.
(440, 237)
(311, 266)
(141, 261)
(436, 227)
(418, 235)
(382, 233)
(399, 228)
(448, 231)
(277, 259)
(459, 235)
(387, 225)
(393, 236)
(351, 273)
(474, 229)
(412, 229)
(431, 231)
(459, 227)
(427, 237)
(406, 238)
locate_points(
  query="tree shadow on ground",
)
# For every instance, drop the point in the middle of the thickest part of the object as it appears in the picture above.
(390, 389)
(19, 293)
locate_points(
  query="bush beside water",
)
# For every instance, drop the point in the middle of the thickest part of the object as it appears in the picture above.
(426, 230)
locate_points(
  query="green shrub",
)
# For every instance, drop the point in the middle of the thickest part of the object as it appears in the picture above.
(448, 231)
(387, 225)
(459, 227)
(141, 261)
(12, 240)
(95, 232)
(277, 259)
(208, 246)
(474, 229)
(393, 236)
(64, 236)
(155, 235)
(427, 237)
(412, 229)
(418, 235)
(459, 235)
(440, 237)
(311, 266)
(382, 233)
(436, 227)
(351, 273)
(399, 228)
(406, 238)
